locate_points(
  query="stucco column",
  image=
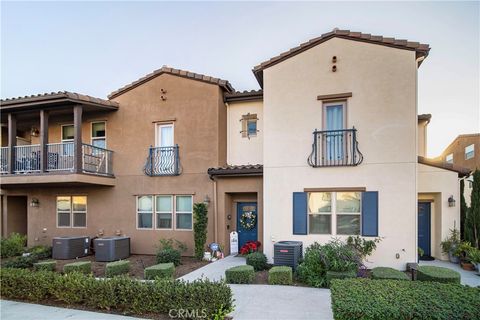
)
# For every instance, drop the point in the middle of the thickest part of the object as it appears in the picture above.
(77, 138)
(12, 140)
(43, 140)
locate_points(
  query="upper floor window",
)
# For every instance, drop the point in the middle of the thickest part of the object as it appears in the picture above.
(164, 135)
(449, 158)
(99, 137)
(334, 115)
(469, 151)
(67, 132)
(71, 211)
(249, 125)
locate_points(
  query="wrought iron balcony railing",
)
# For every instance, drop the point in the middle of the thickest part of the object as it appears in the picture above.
(162, 161)
(335, 148)
(60, 157)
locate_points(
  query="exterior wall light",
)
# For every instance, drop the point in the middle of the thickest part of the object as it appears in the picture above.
(451, 202)
(34, 202)
(34, 132)
(206, 200)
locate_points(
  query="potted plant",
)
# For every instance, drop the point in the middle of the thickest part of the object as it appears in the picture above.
(461, 252)
(450, 245)
(474, 256)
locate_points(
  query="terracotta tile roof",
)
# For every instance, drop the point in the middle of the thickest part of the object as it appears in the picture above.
(57, 96)
(425, 117)
(421, 49)
(239, 170)
(462, 172)
(177, 72)
(244, 95)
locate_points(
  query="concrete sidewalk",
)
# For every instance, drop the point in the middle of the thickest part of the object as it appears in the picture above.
(13, 310)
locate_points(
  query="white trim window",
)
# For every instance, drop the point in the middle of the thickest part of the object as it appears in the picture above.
(68, 134)
(334, 213)
(164, 135)
(71, 211)
(469, 151)
(145, 212)
(449, 158)
(164, 212)
(99, 134)
(183, 212)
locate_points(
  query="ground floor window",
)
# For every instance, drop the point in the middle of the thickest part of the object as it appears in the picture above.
(160, 211)
(334, 213)
(71, 211)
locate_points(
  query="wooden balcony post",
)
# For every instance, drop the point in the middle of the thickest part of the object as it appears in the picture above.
(12, 141)
(43, 140)
(77, 138)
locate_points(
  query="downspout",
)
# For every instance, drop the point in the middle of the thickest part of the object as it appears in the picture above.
(215, 214)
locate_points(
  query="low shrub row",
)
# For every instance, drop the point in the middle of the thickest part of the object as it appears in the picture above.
(438, 274)
(280, 275)
(162, 270)
(340, 275)
(117, 268)
(84, 267)
(391, 299)
(13, 245)
(45, 265)
(388, 273)
(240, 274)
(119, 293)
(33, 255)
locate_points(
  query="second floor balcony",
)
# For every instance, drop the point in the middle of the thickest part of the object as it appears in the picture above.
(162, 161)
(335, 148)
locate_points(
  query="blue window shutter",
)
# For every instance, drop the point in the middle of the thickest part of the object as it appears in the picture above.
(370, 213)
(299, 213)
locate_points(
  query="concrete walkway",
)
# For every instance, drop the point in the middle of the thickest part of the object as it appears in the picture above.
(12, 310)
(471, 278)
(215, 271)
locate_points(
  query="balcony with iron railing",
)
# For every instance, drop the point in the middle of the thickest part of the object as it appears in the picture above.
(60, 159)
(162, 161)
(335, 148)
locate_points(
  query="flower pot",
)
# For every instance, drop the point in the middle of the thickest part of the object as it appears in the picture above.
(452, 258)
(467, 266)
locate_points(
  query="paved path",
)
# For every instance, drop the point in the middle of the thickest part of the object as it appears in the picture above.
(216, 270)
(471, 278)
(12, 310)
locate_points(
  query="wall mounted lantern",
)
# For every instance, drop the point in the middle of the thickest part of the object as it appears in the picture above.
(34, 202)
(451, 202)
(206, 201)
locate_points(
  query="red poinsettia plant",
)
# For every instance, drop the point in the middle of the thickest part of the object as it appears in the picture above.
(249, 247)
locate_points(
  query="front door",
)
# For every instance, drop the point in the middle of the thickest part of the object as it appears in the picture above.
(424, 225)
(247, 221)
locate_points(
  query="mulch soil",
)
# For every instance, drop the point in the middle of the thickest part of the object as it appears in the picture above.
(137, 264)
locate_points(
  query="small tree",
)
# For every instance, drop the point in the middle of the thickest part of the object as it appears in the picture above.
(472, 221)
(200, 213)
(463, 209)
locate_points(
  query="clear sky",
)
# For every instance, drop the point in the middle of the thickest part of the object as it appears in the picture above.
(97, 47)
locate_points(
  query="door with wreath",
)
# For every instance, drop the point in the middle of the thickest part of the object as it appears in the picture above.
(247, 221)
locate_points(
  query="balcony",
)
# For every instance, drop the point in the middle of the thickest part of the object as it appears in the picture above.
(162, 161)
(335, 148)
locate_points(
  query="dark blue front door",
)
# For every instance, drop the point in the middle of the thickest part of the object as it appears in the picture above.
(424, 227)
(246, 234)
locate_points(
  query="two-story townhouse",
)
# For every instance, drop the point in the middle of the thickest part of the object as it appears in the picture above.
(331, 146)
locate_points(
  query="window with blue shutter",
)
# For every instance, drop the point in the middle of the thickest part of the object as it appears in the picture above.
(370, 213)
(299, 213)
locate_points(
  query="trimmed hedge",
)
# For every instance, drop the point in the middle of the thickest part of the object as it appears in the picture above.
(388, 273)
(257, 260)
(162, 270)
(48, 265)
(438, 274)
(280, 275)
(240, 274)
(340, 275)
(399, 300)
(117, 268)
(80, 266)
(119, 293)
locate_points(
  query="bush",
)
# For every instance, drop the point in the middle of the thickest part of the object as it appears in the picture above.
(388, 273)
(80, 266)
(168, 253)
(45, 265)
(200, 213)
(21, 262)
(116, 268)
(339, 275)
(119, 293)
(336, 255)
(240, 274)
(438, 274)
(42, 252)
(13, 245)
(162, 270)
(257, 260)
(390, 299)
(280, 275)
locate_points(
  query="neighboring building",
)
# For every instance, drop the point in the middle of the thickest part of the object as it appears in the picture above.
(331, 146)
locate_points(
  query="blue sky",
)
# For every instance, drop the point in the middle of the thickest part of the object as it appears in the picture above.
(97, 47)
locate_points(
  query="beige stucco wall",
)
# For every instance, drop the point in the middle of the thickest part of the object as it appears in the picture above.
(243, 150)
(382, 108)
(422, 138)
(438, 185)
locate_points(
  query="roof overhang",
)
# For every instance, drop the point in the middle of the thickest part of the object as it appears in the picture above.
(462, 172)
(252, 95)
(236, 171)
